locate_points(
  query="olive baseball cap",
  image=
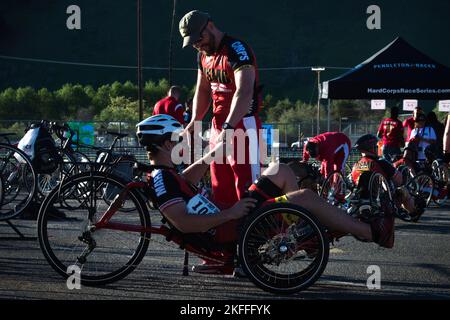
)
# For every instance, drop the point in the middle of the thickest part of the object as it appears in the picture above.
(191, 26)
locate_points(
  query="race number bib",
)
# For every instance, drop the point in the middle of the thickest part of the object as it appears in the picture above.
(200, 205)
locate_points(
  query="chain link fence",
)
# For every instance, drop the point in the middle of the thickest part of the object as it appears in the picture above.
(291, 135)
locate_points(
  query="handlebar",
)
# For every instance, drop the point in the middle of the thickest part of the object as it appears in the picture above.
(145, 168)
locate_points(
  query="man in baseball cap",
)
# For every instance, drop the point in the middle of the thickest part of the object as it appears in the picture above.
(192, 25)
(228, 75)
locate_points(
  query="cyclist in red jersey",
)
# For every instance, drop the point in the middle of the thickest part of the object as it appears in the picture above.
(370, 163)
(186, 210)
(332, 148)
(391, 132)
(227, 75)
(170, 105)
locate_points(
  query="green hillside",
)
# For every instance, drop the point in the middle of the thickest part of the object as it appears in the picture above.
(282, 33)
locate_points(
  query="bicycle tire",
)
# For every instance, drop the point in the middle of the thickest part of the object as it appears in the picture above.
(66, 168)
(440, 176)
(422, 185)
(334, 189)
(109, 269)
(19, 181)
(1, 191)
(380, 194)
(407, 174)
(265, 273)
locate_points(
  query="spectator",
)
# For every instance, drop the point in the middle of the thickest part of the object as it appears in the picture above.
(438, 127)
(170, 105)
(409, 123)
(423, 135)
(446, 141)
(391, 132)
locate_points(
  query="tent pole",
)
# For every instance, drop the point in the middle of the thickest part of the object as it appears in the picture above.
(318, 70)
(328, 116)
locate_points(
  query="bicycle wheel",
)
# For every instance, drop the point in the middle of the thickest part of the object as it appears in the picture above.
(1, 191)
(66, 168)
(334, 189)
(283, 248)
(66, 236)
(440, 175)
(422, 186)
(83, 161)
(407, 174)
(380, 194)
(18, 181)
(123, 169)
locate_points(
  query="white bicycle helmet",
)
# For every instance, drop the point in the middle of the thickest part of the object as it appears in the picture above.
(156, 129)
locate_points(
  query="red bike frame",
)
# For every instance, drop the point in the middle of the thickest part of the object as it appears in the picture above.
(104, 223)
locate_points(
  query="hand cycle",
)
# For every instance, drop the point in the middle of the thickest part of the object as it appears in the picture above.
(283, 248)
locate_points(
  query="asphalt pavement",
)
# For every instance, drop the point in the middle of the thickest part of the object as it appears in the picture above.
(418, 267)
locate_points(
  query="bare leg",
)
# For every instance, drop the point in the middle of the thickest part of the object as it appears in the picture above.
(330, 216)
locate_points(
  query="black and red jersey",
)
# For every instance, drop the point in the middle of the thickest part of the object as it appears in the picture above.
(372, 165)
(219, 68)
(169, 188)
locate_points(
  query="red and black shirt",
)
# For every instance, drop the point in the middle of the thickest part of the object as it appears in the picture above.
(219, 68)
(169, 188)
(372, 164)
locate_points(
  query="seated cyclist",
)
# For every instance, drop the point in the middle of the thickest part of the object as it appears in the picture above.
(409, 157)
(370, 163)
(180, 203)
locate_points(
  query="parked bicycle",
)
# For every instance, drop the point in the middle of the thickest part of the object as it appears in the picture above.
(18, 180)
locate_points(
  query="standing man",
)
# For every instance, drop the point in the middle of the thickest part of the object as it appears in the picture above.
(227, 74)
(170, 105)
(332, 148)
(423, 135)
(391, 132)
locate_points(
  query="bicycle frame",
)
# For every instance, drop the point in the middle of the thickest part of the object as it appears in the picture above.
(168, 233)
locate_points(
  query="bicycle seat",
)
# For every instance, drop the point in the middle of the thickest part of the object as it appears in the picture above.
(117, 134)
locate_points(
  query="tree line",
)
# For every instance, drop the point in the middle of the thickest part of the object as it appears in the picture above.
(118, 102)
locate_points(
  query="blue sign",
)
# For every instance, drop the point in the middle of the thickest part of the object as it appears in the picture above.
(268, 135)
